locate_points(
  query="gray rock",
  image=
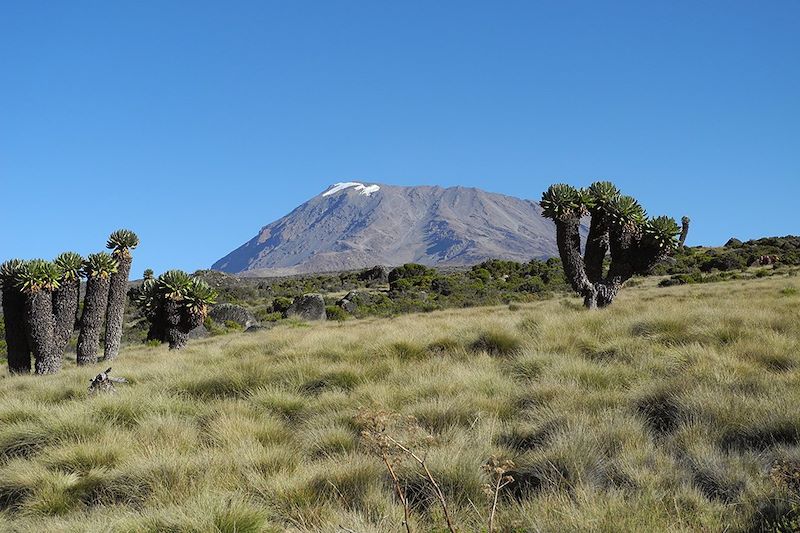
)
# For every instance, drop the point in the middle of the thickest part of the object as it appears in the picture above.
(359, 297)
(223, 313)
(308, 307)
(347, 305)
(376, 274)
(200, 332)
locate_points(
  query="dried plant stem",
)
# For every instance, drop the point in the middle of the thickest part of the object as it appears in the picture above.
(497, 488)
(400, 494)
(436, 488)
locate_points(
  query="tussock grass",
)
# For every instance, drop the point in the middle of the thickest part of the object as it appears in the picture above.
(497, 342)
(665, 412)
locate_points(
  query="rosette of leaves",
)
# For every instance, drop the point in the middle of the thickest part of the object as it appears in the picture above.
(190, 301)
(627, 213)
(66, 298)
(148, 302)
(562, 201)
(618, 225)
(121, 242)
(98, 269)
(662, 232)
(37, 279)
(19, 353)
(199, 296)
(600, 196)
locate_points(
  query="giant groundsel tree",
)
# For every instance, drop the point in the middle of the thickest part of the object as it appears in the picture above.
(121, 242)
(19, 353)
(174, 304)
(38, 279)
(684, 232)
(66, 298)
(619, 225)
(98, 269)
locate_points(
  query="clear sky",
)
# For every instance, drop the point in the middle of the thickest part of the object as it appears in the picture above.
(195, 123)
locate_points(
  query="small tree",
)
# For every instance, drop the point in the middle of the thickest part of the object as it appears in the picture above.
(121, 242)
(19, 353)
(619, 225)
(66, 298)
(37, 279)
(98, 269)
(174, 304)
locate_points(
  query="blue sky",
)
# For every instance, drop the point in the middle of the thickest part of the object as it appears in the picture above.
(196, 123)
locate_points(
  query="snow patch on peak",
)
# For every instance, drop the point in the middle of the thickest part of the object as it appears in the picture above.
(364, 190)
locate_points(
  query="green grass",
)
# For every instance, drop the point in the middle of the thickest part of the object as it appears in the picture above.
(666, 412)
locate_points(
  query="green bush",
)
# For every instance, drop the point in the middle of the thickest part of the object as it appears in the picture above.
(411, 275)
(281, 304)
(725, 261)
(334, 312)
(270, 317)
(213, 327)
(232, 325)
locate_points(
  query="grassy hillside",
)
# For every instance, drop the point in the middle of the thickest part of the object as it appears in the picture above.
(674, 410)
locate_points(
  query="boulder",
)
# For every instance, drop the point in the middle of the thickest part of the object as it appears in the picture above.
(223, 313)
(353, 299)
(308, 307)
(200, 332)
(348, 305)
(376, 274)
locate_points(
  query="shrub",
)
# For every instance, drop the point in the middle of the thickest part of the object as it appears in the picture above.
(725, 261)
(442, 286)
(232, 325)
(411, 275)
(281, 304)
(334, 312)
(211, 326)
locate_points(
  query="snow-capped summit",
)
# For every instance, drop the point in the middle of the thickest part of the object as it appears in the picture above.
(364, 190)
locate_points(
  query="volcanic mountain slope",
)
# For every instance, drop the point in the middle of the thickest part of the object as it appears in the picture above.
(355, 225)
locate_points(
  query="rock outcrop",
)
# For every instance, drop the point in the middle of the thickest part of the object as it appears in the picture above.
(308, 307)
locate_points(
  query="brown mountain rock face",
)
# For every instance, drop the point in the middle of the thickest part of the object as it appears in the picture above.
(358, 225)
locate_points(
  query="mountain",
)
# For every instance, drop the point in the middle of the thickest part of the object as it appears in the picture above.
(355, 225)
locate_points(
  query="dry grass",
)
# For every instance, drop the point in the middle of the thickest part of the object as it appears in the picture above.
(665, 412)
